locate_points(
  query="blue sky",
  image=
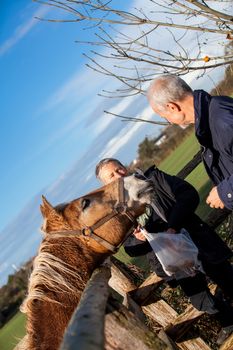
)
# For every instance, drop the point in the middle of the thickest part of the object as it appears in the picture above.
(42, 131)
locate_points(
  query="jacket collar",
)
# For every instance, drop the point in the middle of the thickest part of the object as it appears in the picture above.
(201, 111)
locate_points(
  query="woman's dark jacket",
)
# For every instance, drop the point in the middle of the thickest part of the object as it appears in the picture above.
(176, 201)
(214, 131)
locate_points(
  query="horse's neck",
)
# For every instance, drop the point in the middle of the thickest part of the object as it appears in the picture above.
(56, 297)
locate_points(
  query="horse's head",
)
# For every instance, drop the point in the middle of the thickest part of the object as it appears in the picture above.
(107, 213)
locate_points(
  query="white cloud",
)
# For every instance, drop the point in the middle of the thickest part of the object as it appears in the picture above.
(116, 143)
(22, 30)
(119, 108)
(80, 84)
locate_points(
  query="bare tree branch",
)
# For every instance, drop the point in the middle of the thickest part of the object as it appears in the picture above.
(138, 119)
(210, 10)
(135, 56)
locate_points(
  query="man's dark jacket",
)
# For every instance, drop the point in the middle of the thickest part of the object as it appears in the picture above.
(214, 131)
(176, 200)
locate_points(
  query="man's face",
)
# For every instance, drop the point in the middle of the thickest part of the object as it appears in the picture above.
(172, 114)
(110, 172)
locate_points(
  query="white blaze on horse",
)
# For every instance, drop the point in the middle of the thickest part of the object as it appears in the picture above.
(78, 236)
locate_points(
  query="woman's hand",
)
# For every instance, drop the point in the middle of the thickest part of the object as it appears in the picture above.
(138, 234)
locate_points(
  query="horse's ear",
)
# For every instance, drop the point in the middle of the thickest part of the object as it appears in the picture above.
(46, 208)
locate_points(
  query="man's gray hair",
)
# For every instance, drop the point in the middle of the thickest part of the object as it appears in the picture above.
(105, 161)
(167, 88)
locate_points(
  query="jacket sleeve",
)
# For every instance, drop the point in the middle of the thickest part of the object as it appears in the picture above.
(138, 249)
(222, 128)
(186, 201)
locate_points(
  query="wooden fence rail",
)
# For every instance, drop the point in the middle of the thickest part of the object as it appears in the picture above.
(86, 328)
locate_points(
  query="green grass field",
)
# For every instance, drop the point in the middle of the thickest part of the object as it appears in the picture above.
(12, 332)
(181, 155)
(198, 178)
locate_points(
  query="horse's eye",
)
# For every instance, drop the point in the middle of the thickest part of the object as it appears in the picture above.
(85, 203)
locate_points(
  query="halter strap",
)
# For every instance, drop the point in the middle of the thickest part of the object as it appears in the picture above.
(120, 209)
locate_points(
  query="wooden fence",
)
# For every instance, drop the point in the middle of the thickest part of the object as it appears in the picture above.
(114, 319)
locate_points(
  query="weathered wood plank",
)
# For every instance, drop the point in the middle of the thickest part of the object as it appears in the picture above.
(123, 330)
(183, 322)
(175, 325)
(121, 282)
(120, 279)
(168, 318)
(228, 344)
(143, 292)
(191, 344)
(161, 312)
(194, 344)
(86, 328)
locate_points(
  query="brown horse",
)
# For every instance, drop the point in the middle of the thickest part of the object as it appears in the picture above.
(78, 236)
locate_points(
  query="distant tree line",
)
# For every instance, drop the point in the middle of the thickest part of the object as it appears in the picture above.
(14, 292)
(154, 150)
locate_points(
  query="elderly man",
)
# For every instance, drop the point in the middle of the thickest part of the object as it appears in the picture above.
(171, 98)
(175, 203)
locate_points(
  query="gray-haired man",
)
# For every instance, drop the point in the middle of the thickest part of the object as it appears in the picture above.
(173, 99)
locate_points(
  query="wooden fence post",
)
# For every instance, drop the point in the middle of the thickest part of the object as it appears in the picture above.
(86, 328)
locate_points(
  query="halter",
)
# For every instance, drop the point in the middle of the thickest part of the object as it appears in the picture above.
(121, 208)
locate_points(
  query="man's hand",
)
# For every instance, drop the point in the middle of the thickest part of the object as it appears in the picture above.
(138, 234)
(213, 199)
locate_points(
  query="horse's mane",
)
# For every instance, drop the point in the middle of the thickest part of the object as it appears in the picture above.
(48, 274)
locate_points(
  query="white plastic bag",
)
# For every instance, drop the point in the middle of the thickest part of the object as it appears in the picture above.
(177, 253)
